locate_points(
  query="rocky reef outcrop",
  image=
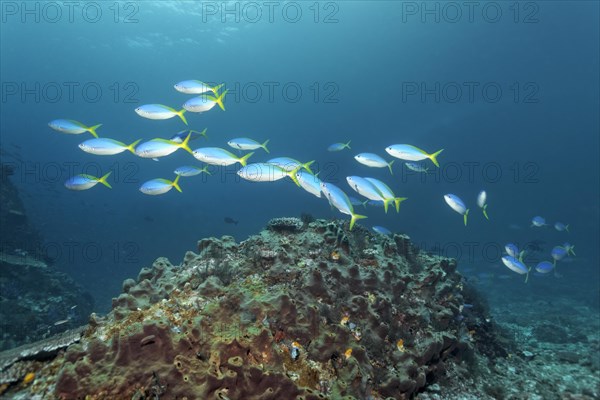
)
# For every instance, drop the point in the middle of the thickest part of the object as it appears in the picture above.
(304, 310)
(300, 311)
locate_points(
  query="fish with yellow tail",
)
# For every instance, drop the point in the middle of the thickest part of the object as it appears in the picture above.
(84, 182)
(338, 199)
(158, 186)
(411, 153)
(160, 111)
(457, 205)
(73, 127)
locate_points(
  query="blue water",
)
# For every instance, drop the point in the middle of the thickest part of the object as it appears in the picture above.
(375, 73)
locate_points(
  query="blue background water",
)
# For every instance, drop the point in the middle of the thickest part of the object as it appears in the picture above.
(354, 66)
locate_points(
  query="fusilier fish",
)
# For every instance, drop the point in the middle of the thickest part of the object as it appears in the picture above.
(417, 167)
(538, 221)
(265, 172)
(338, 199)
(191, 170)
(219, 156)
(364, 188)
(544, 267)
(248, 144)
(559, 226)
(373, 160)
(516, 266)
(339, 146)
(107, 147)
(196, 87)
(482, 203)
(457, 205)
(161, 147)
(160, 111)
(181, 135)
(309, 182)
(204, 103)
(387, 194)
(72, 127)
(158, 186)
(84, 181)
(411, 153)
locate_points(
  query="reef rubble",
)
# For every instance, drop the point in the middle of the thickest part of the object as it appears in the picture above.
(302, 310)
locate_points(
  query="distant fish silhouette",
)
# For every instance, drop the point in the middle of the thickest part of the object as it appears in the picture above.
(229, 220)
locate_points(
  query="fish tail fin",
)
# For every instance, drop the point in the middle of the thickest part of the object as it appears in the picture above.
(264, 145)
(131, 147)
(386, 203)
(219, 99)
(307, 165)
(185, 144)
(215, 89)
(205, 170)
(244, 160)
(521, 254)
(92, 129)
(347, 145)
(203, 133)
(292, 175)
(397, 202)
(180, 114)
(485, 214)
(354, 218)
(175, 183)
(527, 276)
(433, 157)
(465, 216)
(390, 166)
(364, 203)
(572, 250)
(567, 228)
(103, 180)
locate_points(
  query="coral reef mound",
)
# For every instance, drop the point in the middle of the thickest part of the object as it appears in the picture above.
(303, 310)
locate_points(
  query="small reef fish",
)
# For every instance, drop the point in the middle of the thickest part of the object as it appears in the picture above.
(457, 205)
(387, 194)
(382, 231)
(411, 153)
(72, 127)
(482, 203)
(309, 182)
(558, 253)
(348, 353)
(364, 188)
(338, 199)
(544, 267)
(196, 87)
(400, 345)
(339, 146)
(204, 103)
(160, 186)
(229, 220)
(160, 111)
(265, 172)
(295, 350)
(84, 181)
(373, 160)
(569, 248)
(181, 135)
(248, 144)
(290, 164)
(538, 221)
(559, 226)
(515, 265)
(107, 147)
(219, 156)
(513, 251)
(191, 170)
(417, 167)
(161, 147)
